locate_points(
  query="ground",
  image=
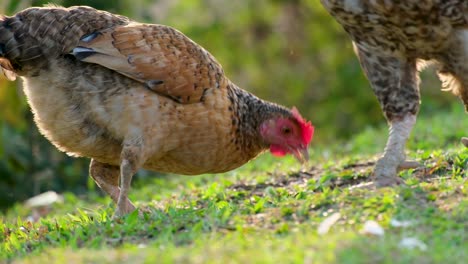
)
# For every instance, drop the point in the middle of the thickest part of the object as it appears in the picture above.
(270, 210)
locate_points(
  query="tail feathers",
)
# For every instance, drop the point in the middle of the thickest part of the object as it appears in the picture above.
(452, 84)
(33, 37)
(449, 82)
(5, 64)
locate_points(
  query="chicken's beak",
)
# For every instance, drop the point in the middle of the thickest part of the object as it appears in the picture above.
(301, 154)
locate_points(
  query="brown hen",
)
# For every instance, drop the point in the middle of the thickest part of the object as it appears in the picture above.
(393, 40)
(131, 95)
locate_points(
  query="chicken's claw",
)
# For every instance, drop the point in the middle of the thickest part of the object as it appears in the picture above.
(385, 176)
(388, 181)
(409, 164)
(121, 211)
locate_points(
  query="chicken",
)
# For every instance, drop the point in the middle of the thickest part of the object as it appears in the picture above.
(130, 95)
(395, 39)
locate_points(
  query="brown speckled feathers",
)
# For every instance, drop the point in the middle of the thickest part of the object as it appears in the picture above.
(433, 30)
(158, 56)
(393, 41)
(36, 33)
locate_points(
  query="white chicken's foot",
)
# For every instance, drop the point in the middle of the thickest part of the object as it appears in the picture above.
(393, 159)
(125, 207)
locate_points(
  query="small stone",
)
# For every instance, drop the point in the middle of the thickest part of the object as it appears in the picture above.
(44, 199)
(412, 243)
(327, 223)
(372, 228)
(401, 223)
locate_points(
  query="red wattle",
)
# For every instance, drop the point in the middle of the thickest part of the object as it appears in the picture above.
(277, 151)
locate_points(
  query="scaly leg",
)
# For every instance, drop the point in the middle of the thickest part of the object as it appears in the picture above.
(393, 159)
(107, 178)
(395, 83)
(130, 162)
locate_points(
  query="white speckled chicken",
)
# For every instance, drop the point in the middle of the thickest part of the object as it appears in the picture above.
(131, 95)
(391, 39)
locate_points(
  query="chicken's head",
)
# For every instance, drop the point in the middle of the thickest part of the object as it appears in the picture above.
(288, 135)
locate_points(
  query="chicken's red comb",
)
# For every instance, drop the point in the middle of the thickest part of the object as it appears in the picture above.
(306, 126)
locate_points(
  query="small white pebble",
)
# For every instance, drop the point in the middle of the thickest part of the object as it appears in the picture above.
(44, 199)
(412, 243)
(372, 228)
(402, 223)
(327, 223)
(142, 245)
(364, 185)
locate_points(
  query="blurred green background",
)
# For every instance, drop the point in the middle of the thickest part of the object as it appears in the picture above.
(287, 51)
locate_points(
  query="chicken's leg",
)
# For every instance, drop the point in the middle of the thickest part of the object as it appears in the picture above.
(107, 178)
(131, 157)
(396, 85)
(393, 159)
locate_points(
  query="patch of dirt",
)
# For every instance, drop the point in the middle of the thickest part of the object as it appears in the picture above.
(352, 175)
(360, 171)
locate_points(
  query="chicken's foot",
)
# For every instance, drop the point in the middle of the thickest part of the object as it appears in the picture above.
(107, 178)
(393, 159)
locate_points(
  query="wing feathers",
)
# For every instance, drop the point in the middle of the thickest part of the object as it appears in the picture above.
(162, 58)
(82, 53)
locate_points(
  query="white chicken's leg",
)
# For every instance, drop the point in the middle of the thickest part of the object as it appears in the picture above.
(396, 85)
(394, 157)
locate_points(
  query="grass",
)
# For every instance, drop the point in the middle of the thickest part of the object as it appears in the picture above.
(269, 210)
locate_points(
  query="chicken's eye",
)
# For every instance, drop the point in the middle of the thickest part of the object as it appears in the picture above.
(286, 130)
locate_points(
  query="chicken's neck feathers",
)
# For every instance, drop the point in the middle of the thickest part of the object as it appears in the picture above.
(249, 112)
